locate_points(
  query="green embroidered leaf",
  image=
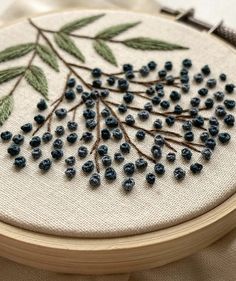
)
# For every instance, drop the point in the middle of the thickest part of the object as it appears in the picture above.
(16, 51)
(36, 78)
(105, 51)
(6, 106)
(115, 30)
(48, 56)
(10, 73)
(67, 44)
(77, 24)
(145, 43)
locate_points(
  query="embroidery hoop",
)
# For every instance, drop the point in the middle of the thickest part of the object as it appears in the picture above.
(101, 256)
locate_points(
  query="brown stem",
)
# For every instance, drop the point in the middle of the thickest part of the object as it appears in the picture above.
(183, 143)
(126, 136)
(98, 138)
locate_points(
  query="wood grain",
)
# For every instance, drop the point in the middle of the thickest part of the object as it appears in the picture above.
(117, 255)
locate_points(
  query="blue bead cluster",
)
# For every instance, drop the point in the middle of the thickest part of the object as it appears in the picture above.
(106, 120)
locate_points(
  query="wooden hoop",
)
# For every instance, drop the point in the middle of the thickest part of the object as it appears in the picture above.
(117, 255)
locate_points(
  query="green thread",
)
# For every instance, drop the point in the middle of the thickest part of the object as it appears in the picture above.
(105, 51)
(6, 106)
(16, 51)
(46, 54)
(10, 73)
(115, 30)
(37, 79)
(145, 43)
(67, 44)
(77, 24)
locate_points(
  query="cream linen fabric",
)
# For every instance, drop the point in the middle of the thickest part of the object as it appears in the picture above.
(50, 203)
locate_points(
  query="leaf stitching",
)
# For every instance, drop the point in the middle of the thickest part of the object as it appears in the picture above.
(67, 44)
(16, 51)
(37, 79)
(10, 73)
(6, 106)
(48, 56)
(105, 51)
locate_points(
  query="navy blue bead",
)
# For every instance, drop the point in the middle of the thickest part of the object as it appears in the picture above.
(157, 124)
(111, 122)
(198, 121)
(204, 136)
(196, 168)
(105, 112)
(141, 164)
(206, 70)
(97, 83)
(229, 88)
(60, 131)
(213, 121)
(159, 169)
(45, 164)
(118, 157)
(106, 160)
(148, 107)
(88, 167)
(95, 180)
(152, 65)
(123, 84)
(229, 104)
(72, 138)
(224, 137)
(129, 75)
(18, 139)
(219, 96)
(129, 120)
(128, 184)
(211, 83)
(6, 136)
(70, 95)
(156, 151)
(198, 78)
(213, 130)
(186, 154)
(168, 65)
(125, 148)
(150, 91)
(170, 120)
(203, 92)
(122, 108)
(162, 73)
(70, 172)
(39, 119)
(159, 140)
(13, 149)
(110, 174)
(111, 80)
(117, 134)
(90, 124)
(79, 89)
(229, 120)
(165, 104)
(42, 105)
(46, 137)
(96, 72)
(127, 67)
(187, 126)
(82, 151)
(61, 113)
(195, 102)
(105, 134)
(206, 153)
(20, 162)
(128, 97)
(210, 143)
(175, 96)
(189, 136)
(129, 169)
(87, 136)
(58, 144)
(185, 88)
(72, 125)
(35, 141)
(102, 150)
(171, 157)
(57, 154)
(89, 113)
(187, 63)
(150, 178)
(209, 103)
(223, 77)
(179, 173)
(70, 161)
(178, 109)
(71, 82)
(140, 135)
(36, 153)
(143, 115)
(26, 128)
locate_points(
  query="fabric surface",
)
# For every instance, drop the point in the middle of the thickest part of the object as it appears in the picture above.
(50, 203)
(215, 263)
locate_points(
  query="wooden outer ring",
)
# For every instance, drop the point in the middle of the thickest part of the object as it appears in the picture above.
(117, 255)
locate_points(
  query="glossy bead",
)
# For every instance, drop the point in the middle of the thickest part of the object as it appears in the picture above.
(95, 180)
(18, 139)
(110, 174)
(42, 105)
(20, 162)
(35, 141)
(129, 169)
(46, 137)
(70, 161)
(26, 128)
(159, 169)
(13, 149)
(141, 164)
(70, 172)
(6, 135)
(57, 154)
(150, 178)
(179, 173)
(88, 167)
(128, 184)
(186, 154)
(82, 151)
(45, 165)
(224, 137)
(196, 168)
(102, 150)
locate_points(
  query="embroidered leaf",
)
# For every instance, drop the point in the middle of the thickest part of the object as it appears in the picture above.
(105, 51)
(145, 43)
(10, 73)
(6, 106)
(16, 51)
(77, 24)
(47, 55)
(67, 44)
(115, 30)
(36, 78)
